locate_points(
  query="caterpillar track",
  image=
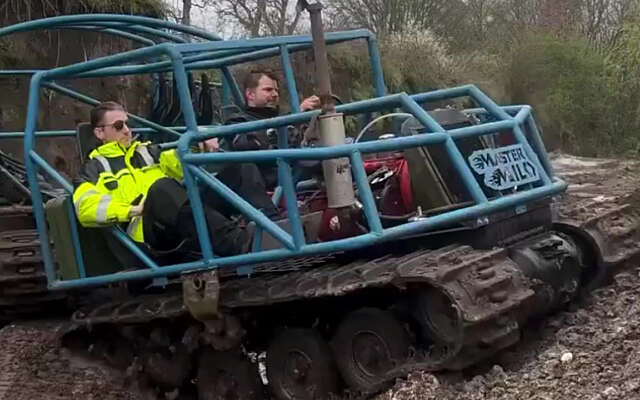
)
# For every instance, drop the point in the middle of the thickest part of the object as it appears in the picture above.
(23, 286)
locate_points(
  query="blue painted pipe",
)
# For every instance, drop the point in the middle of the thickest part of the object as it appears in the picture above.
(358, 242)
(47, 23)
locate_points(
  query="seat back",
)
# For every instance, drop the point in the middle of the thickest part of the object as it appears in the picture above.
(85, 140)
(98, 258)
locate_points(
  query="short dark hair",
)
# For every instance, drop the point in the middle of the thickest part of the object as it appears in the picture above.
(98, 112)
(252, 78)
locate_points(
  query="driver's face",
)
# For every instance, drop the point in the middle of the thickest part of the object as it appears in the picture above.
(114, 128)
(266, 94)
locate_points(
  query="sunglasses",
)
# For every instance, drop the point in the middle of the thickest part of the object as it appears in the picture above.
(118, 125)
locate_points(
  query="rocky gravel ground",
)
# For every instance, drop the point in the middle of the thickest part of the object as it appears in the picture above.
(33, 365)
(589, 351)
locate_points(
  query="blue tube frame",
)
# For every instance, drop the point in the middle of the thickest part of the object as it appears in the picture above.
(518, 120)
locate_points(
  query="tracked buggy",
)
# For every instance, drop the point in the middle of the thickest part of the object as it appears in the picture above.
(425, 247)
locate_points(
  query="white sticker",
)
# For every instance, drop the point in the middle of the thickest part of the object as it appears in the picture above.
(504, 167)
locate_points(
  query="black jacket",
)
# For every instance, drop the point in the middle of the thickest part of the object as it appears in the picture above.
(258, 140)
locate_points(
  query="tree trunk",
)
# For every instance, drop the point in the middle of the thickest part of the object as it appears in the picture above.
(186, 12)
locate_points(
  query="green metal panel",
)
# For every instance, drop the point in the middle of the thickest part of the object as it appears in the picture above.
(98, 258)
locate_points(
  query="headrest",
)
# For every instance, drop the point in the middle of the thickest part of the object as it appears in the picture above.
(86, 140)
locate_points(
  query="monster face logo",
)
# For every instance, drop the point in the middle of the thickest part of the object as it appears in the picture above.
(504, 167)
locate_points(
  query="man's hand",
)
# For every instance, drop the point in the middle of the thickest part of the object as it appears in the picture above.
(209, 145)
(310, 103)
(136, 211)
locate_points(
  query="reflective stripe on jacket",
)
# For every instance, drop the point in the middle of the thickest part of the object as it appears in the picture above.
(116, 178)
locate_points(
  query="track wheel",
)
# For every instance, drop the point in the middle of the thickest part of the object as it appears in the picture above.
(437, 316)
(369, 343)
(228, 376)
(300, 366)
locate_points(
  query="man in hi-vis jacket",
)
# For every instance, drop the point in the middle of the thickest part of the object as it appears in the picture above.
(135, 184)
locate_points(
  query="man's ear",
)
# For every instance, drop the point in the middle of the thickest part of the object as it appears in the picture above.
(99, 133)
(250, 94)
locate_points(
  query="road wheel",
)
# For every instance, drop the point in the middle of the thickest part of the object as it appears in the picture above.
(300, 366)
(368, 344)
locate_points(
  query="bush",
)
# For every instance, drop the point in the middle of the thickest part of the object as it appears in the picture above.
(568, 84)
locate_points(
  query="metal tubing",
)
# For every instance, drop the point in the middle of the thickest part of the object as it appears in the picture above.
(232, 57)
(366, 196)
(89, 18)
(484, 101)
(520, 138)
(50, 171)
(243, 206)
(276, 41)
(36, 197)
(182, 84)
(452, 150)
(226, 91)
(75, 239)
(72, 132)
(495, 205)
(484, 129)
(352, 243)
(131, 55)
(238, 96)
(376, 66)
(294, 100)
(257, 240)
(199, 217)
(498, 112)
(538, 145)
(91, 101)
(283, 143)
(420, 114)
(460, 165)
(129, 244)
(191, 63)
(239, 57)
(127, 28)
(20, 71)
(290, 198)
(318, 153)
(522, 115)
(293, 119)
(442, 94)
(115, 32)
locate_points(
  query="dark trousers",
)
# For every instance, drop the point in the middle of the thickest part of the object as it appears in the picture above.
(168, 217)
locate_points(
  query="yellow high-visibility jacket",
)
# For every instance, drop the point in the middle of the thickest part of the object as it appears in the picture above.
(115, 178)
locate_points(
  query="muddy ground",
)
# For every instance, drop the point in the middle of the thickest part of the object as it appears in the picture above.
(589, 351)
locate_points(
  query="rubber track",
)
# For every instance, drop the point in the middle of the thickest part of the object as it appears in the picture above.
(23, 285)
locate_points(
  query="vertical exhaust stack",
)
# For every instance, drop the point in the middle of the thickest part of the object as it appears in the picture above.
(337, 172)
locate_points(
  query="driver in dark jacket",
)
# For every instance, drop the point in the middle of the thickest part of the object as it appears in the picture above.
(262, 97)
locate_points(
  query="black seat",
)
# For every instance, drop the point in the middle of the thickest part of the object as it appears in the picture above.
(85, 140)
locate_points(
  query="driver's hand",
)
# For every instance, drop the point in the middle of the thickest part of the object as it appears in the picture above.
(310, 103)
(138, 209)
(209, 145)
